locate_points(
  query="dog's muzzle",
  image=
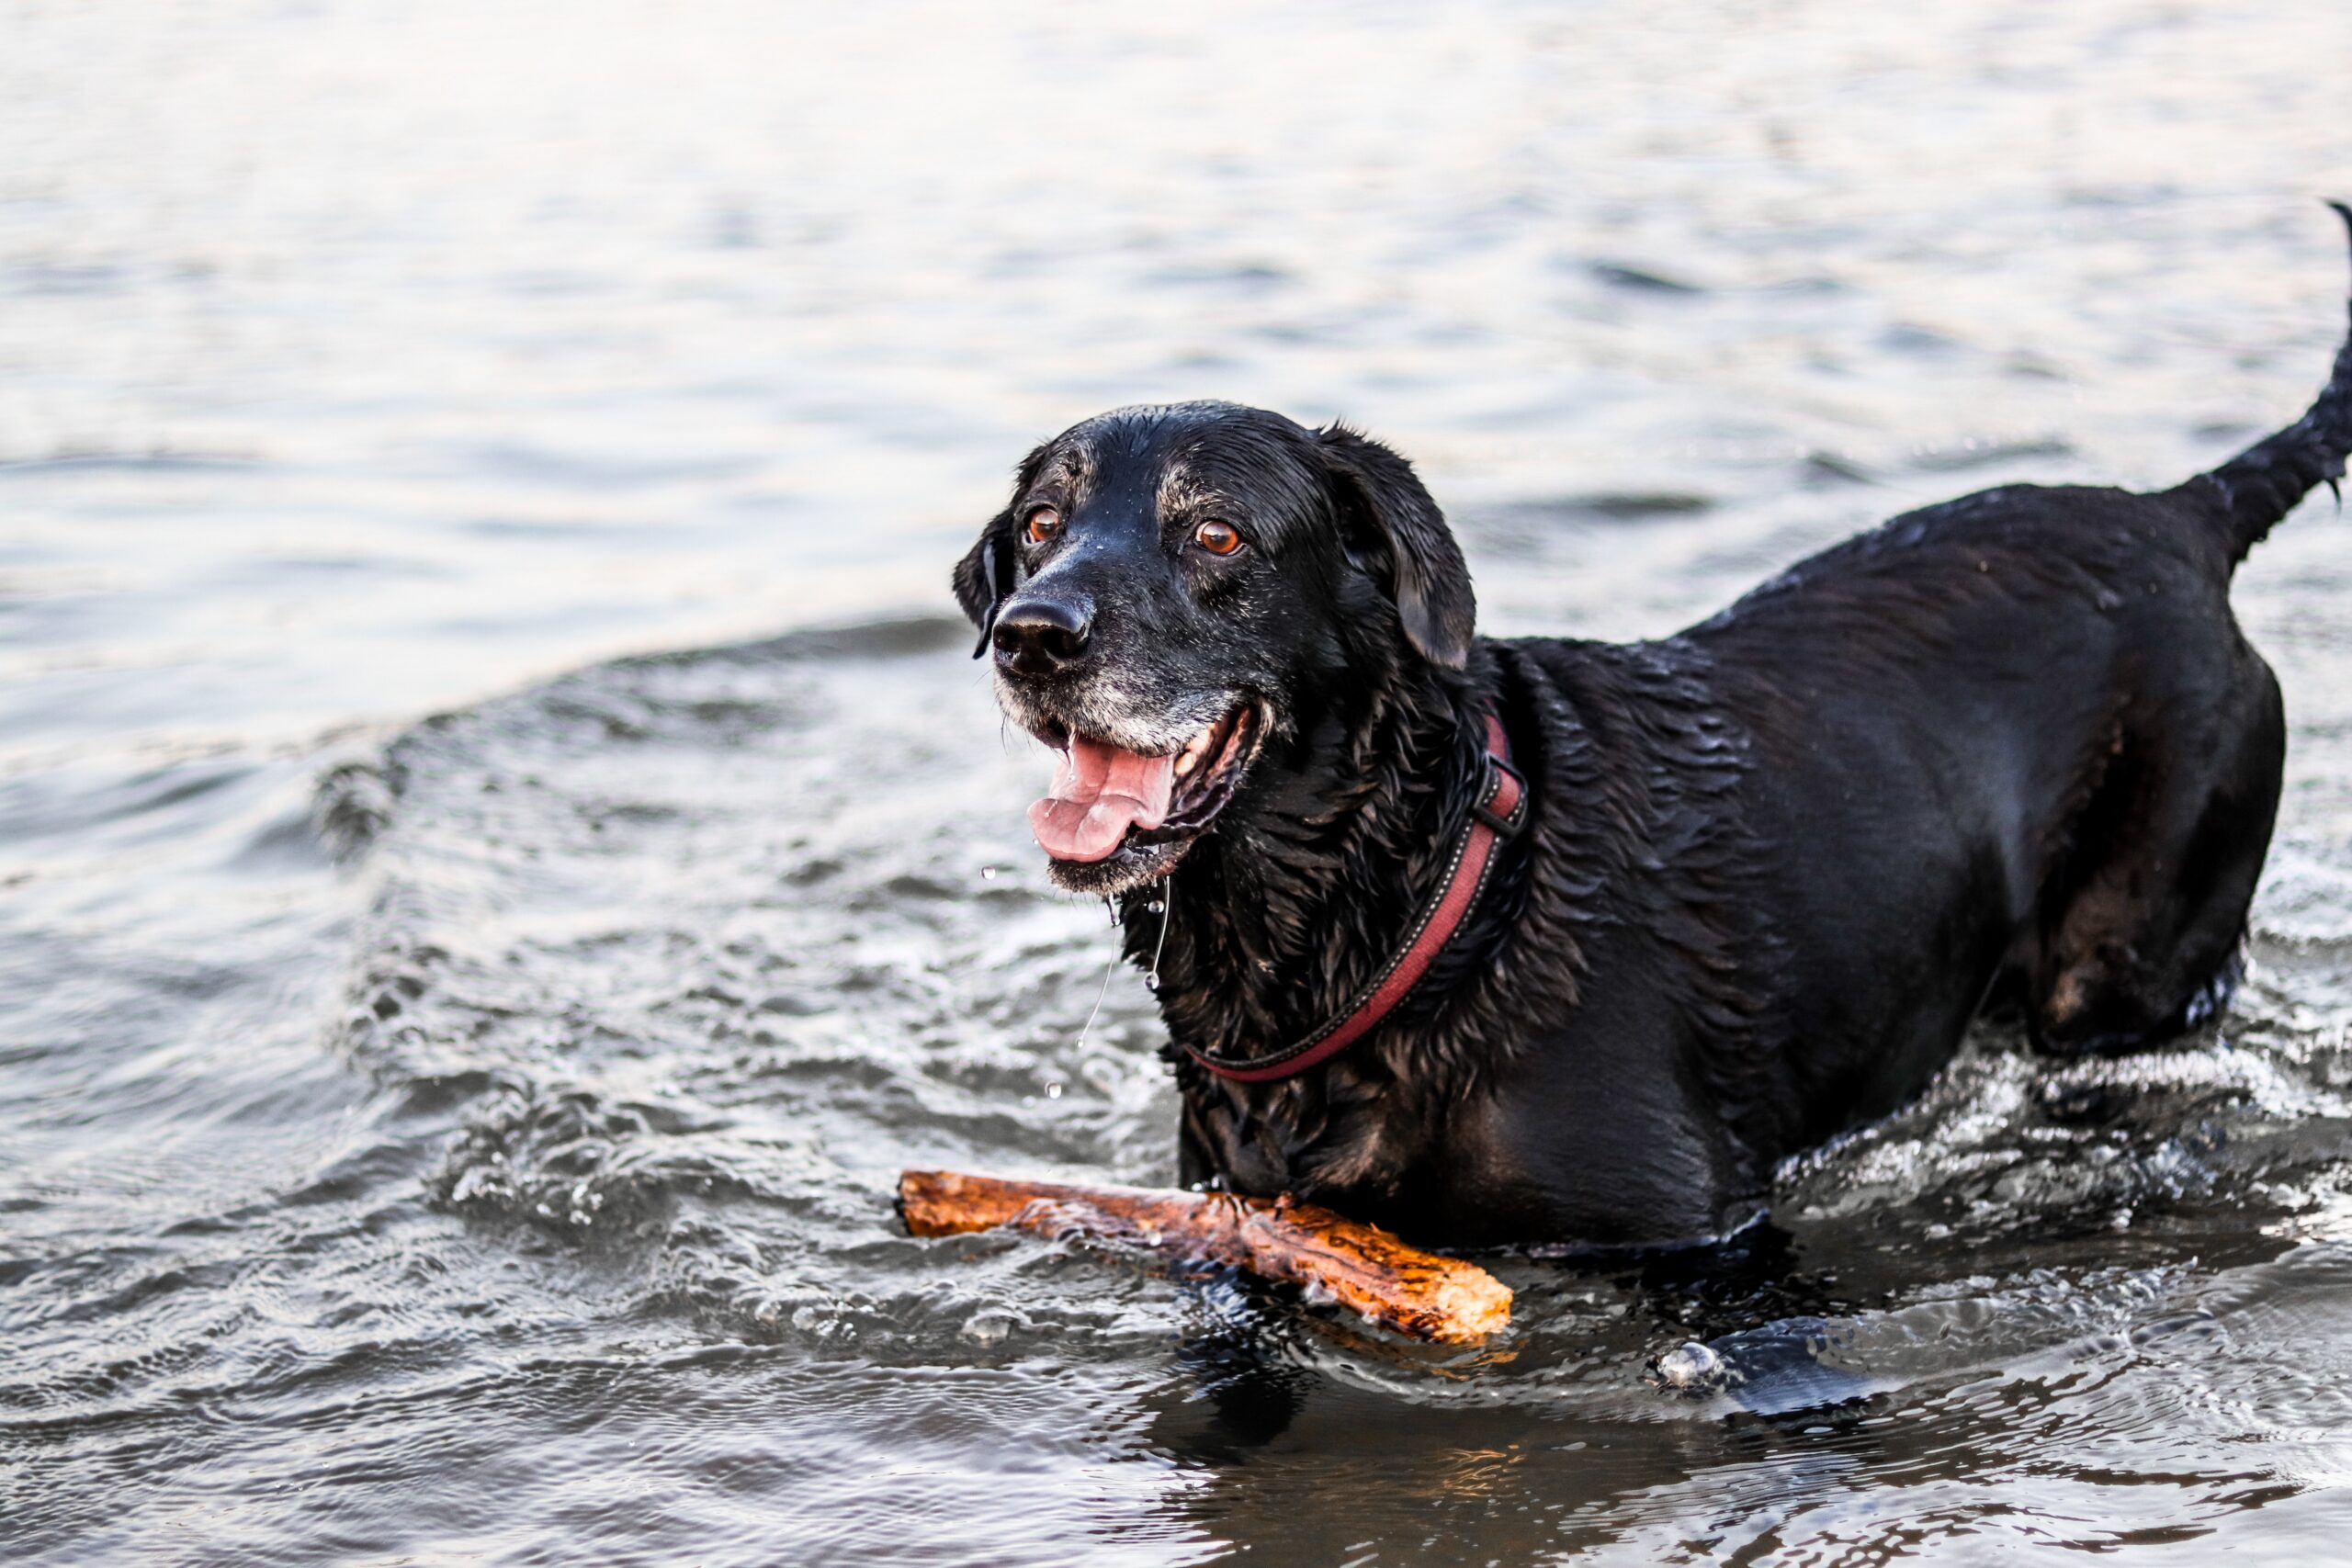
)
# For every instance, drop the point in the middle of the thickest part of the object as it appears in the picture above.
(1105, 795)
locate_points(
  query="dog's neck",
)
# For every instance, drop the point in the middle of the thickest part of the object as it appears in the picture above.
(1276, 921)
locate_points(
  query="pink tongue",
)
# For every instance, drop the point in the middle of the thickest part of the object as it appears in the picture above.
(1098, 793)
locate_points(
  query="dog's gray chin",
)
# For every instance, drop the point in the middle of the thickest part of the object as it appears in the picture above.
(1123, 870)
(1147, 855)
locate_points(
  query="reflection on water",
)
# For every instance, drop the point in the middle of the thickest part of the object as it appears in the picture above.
(472, 1139)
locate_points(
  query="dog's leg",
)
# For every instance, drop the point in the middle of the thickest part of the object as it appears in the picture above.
(2146, 928)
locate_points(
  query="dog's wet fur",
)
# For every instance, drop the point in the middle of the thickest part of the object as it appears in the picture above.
(2009, 751)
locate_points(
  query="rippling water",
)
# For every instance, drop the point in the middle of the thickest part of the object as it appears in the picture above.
(469, 1137)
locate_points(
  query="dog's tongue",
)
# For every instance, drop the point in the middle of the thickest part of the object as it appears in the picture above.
(1101, 791)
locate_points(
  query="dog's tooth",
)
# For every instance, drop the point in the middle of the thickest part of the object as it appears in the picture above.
(1185, 761)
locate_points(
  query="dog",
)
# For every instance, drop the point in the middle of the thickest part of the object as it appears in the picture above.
(1566, 945)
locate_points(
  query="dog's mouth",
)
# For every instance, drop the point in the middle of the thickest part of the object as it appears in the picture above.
(1105, 797)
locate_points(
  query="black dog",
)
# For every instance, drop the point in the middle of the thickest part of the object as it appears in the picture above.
(1758, 878)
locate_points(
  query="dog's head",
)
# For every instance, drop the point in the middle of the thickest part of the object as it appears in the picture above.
(1174, 590)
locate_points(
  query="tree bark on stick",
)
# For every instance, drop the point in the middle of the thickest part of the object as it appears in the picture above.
(1360, 1266)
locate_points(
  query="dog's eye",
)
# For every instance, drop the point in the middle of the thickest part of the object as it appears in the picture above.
(1219, 539)
(1043, 524)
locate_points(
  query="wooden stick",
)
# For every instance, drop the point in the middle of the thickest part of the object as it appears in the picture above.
(1362, 1267)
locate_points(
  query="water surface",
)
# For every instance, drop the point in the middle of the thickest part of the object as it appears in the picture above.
(455, 1050)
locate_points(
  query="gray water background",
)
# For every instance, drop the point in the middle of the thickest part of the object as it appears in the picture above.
(467, 1138)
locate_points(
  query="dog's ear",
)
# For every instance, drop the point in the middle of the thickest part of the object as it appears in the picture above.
(984, 576)
(1424, 569)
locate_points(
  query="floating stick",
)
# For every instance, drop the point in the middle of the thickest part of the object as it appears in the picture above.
(1359, 1266)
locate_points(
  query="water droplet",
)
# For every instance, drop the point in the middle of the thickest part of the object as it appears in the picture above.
(989, 1326)
(1151, 982)
(1053, 1091)
(1691, 1366)
(1157, 907)
(988, 874)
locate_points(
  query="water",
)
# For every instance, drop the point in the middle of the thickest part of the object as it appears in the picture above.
(469, 1138)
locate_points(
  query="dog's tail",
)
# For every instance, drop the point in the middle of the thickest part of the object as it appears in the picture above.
(2253, 490)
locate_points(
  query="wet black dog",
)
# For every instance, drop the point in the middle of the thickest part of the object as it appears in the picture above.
(2011, 747)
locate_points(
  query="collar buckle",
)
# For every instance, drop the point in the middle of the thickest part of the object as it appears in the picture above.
(1507, 780)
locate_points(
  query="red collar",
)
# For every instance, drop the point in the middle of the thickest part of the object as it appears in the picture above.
(1500, 813)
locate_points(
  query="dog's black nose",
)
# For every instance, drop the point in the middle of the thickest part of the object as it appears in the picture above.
(1040, 636)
